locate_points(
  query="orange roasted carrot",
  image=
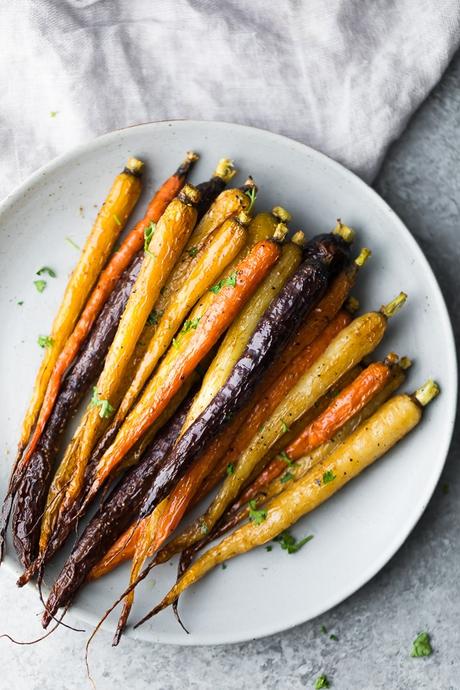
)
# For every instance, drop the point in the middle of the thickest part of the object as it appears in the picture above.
(348, 402)
(106, 283)
(176, 368)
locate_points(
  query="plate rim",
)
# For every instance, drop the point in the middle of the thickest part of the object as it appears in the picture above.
(198, 639)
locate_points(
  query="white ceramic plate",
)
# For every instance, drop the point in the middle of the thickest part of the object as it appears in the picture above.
(358, 530)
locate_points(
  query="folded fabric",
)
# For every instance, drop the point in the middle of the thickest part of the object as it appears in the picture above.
(343, 76)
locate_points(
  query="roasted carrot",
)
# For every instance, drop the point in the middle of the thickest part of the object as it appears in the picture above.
(252, 423)
(372, 439)
(221, 248)
(354, 342)
(164, 247)
(227, 302)
(347, 403)
(107, 280)
(296, 470)
(325, 311)
(110, 221)
(151, 533)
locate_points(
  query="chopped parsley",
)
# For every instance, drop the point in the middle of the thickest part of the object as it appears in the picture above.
(106, 408)
(20, 303)
(46, 270)
(53, 113)
(190, 324)
(268, 548)
(175, 343)
(334, 637)
(72, 243)
(44, 341)
(148, 234)
(322, 682)
(284, 456)
(230, 469)
(40, 285)
(252, 196)
(284, 427)
(328, 476)
(287, 476)
(229, 281)
(256, 516)
(421, 645)
(154, 317)
(193, 251)
(224, 566)
(290, 544)
(323, 629)
(117, 220)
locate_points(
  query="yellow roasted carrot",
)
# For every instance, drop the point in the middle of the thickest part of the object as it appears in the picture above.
(110, 221)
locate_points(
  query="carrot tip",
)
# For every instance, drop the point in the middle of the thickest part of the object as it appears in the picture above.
(243, 218)
(362, 257)
(427, 392)
(344, 231)
(405, 363)
(352, 305)
(280, 233)
(298, 238)
(281, 213)
(189, 195)
(134, 166)
(225, 170)
(192, 157)
(394, 306)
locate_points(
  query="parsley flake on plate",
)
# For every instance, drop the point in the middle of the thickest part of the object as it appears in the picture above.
(40, 285)
(46, 270)
(290, 544)
(45, 341)
(322, 682)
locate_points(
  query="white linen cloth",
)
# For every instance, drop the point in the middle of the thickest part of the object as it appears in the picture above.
(341, 75)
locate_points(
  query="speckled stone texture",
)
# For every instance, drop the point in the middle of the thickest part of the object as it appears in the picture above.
(417, 590)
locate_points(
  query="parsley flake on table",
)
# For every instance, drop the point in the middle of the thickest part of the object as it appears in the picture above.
(40, 285)
(105, 408)
(256, 516)
(333, 637)
(229, 281)
(46, 270)
(328, 476)
(322, 682)
(323, 629)
(45, 341)
(421, 645)
(290, 544)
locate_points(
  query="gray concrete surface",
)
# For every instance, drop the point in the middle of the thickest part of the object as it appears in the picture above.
(417, 590)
